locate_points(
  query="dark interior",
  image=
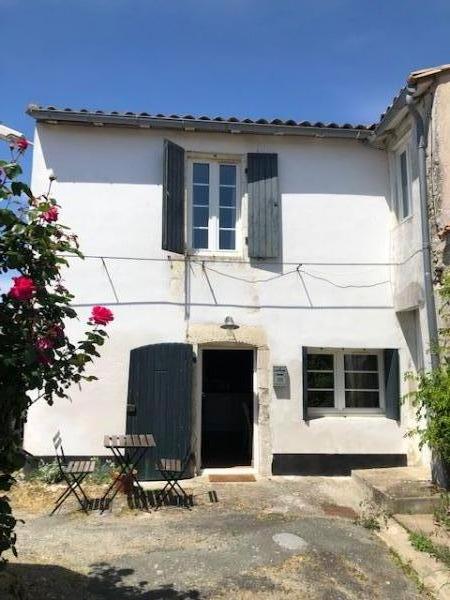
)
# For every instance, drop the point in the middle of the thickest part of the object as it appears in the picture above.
(227, 408)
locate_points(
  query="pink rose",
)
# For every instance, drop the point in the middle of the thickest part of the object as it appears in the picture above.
(50, 215)
(23, 288)
(101, 315)
(43, 346)
(44, 343)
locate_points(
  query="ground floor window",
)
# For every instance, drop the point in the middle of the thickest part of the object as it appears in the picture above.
(344, 381)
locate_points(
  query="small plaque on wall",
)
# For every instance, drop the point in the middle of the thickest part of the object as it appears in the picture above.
(280, 376)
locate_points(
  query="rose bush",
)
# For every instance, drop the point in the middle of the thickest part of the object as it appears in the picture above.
(38, 361)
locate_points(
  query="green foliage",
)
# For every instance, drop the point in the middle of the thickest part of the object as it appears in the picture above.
(103, 472)
(432, 397)
(371, 516)
(442, 512)
(46, 472)
(424, 544)
(37, 358)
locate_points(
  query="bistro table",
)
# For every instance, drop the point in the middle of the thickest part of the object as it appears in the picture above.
(128, 450)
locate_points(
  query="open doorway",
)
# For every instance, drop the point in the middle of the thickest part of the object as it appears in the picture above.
(227, 408)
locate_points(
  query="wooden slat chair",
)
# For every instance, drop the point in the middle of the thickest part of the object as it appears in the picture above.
(173, 469)
(73, 472)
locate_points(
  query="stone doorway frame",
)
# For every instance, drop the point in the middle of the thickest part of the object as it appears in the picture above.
(246, 337)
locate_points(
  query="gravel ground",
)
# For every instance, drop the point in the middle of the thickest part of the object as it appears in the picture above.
(282, 538)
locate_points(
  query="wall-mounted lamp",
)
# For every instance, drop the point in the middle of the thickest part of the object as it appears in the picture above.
(229, 324)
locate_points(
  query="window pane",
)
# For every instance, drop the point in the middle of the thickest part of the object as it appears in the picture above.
(321, 380)
(361, 362)
(201, 173)
(227, 240)
(201, 216)
(228, 218)
(321, 399)
(227, 175)
(200, 238)
(355, 399)
(201, 195)
(363, 381)
(320, 362)
(227, 196)
(404, 183)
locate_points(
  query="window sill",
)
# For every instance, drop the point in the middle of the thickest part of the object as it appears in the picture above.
(343, 415)
(222, 255)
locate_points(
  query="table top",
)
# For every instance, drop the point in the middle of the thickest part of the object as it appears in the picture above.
(134, 440)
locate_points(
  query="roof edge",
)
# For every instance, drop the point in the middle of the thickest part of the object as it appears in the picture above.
(232, 125)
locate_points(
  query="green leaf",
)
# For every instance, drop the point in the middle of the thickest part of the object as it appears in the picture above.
(18, 188)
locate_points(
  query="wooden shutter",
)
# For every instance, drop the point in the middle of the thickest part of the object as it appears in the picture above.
(263, 206)
(392, 383)
(305, 382)
(173, 219)
(160, 401)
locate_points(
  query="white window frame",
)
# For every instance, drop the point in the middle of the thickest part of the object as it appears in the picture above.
(402, 147)
(214, 162)
(339, 408)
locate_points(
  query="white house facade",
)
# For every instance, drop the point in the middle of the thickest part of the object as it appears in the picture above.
(306, 235)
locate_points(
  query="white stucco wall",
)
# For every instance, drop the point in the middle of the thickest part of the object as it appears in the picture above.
(335, 210)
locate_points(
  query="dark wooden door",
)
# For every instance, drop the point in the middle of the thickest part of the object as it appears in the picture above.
(160, 401)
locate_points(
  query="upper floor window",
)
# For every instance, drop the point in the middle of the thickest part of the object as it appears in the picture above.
(201, 203)
(214, 205)
(402, 175)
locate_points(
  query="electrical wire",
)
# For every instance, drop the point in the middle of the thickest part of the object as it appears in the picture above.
(221, 259)
(297, 270)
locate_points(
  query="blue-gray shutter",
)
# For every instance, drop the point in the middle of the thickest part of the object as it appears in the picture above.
(160, 401)
(173, 219)
(263, 206)
(305, 382)
(392, 383)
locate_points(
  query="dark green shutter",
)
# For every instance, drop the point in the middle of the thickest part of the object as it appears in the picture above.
(392, 383)
(173, 220)
(160, 401)
(305, 382)
(263, 206)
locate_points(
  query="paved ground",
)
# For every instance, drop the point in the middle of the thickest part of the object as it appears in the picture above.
(274, 539)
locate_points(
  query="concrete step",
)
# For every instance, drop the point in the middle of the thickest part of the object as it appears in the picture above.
(425, 524)
(399, 490)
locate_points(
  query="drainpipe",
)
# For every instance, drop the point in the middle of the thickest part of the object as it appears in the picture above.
(421, 129)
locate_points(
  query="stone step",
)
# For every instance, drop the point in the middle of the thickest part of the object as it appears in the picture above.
(399, 490)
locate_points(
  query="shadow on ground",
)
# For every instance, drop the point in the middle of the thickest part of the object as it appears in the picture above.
(22, 581)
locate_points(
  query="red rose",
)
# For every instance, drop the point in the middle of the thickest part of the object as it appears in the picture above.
(22, 144)
(50, 215)
(23, 288)
(44, 358)
(101, 315)
(56, 331)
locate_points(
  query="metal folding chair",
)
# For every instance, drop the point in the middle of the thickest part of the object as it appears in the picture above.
(73, 472)
(173, 469)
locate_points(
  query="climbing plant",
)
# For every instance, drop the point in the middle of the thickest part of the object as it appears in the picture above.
(432, 396)
(38, 360)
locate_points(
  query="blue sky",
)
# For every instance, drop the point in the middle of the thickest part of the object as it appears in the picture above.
(337, 60)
